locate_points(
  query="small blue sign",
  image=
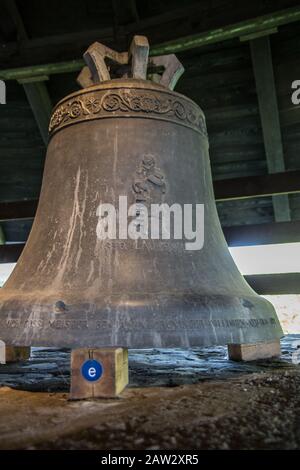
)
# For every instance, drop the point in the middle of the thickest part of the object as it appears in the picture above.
(92, 370)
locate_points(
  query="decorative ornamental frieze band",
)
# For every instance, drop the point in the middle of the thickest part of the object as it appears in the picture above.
(127, 102)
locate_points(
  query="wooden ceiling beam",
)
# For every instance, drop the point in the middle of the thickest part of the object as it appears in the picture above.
(18, 209)
(225, 190)
(243, 235)
(236, 30)
(263, 234)
(260, 234)
(275, 284)
(257, 186)
(10, 253)
(79, 41)
(21, 73)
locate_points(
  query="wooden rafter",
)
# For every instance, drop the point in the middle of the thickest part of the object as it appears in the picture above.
(213, 36)
(257, 186)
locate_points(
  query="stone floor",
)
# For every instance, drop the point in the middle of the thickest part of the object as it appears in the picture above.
(176, 399)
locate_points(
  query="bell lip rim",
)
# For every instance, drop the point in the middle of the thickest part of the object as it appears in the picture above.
(118, 83)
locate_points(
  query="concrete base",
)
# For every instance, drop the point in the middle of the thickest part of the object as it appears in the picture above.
(98, 372)
(252, 352)
(13, 353)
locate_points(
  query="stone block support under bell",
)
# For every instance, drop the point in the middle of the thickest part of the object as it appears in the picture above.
(252, 352)
(98, 372)
(13, 353)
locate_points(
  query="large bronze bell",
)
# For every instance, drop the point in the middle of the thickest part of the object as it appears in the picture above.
(137, 138)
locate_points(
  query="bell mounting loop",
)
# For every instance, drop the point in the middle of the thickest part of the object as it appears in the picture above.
(138, 54)
(136, 60)
(95, 59)
(173, 69)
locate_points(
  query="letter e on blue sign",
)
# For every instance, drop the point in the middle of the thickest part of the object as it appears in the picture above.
(92, 370)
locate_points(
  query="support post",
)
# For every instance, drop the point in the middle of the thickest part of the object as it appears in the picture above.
(269, 114)
(99, 373)
(253, 352)
(35, 88)
(2, 236)
(13, 353)
(40, 103)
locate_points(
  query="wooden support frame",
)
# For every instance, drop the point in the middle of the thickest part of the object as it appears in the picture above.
(254, 352)
(269, 114)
